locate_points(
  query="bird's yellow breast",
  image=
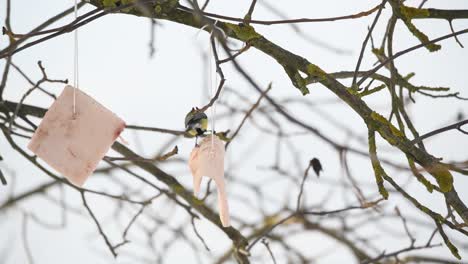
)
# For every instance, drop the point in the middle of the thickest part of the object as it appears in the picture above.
(192, 132)
(204, 124)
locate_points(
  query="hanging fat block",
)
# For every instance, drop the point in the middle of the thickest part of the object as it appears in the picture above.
(208, 160)
(73, 144)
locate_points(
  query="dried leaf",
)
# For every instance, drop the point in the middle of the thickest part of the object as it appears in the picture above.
(317, 166)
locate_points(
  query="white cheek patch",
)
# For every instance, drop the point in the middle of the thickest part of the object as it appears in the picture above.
(74, 144)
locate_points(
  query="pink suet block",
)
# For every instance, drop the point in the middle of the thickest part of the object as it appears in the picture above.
(73, 144)
(207, 159)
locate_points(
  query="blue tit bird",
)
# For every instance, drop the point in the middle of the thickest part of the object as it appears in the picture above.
(196, 123)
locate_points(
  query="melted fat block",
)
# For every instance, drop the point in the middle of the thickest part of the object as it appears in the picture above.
(208, 160)
(74, 144)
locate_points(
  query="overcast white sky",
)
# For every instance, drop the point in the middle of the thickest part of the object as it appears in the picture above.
(116, 70)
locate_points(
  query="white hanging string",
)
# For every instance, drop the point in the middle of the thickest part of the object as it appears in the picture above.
(75, 61)
(213, 81)
(213, 85)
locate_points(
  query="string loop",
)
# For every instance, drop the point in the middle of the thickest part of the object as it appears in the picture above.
(213, 69)
(75, 60)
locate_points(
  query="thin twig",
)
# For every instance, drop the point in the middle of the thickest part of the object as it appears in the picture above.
(400, 53)
(215, 33)
(163, 157)
(267, 245)
(98, 225)
(248, 16)
(247, 115)
(301, 189)
(457, 126)
(192, 220)
(364, 43)
(453, 31)
(27, 249)
(156, 129)
(288, 21)
(405, 225)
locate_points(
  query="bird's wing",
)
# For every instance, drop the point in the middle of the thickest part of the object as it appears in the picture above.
(195, 118)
